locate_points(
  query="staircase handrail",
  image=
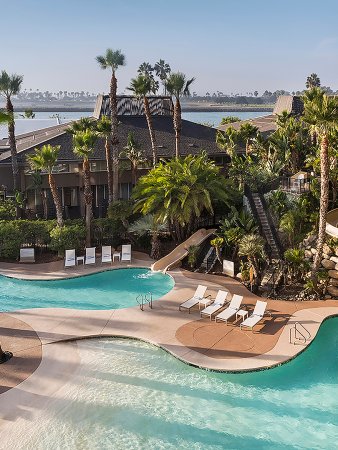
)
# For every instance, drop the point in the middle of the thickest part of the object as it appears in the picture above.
(271, 225)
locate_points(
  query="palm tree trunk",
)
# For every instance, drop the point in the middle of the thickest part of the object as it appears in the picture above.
(114, 135)
(109, 172)
(12, 144)
(324, 202)
(177, 126)
(57, 200)
(155, 246)
(88, 197)
(133, 173)
(151, 128)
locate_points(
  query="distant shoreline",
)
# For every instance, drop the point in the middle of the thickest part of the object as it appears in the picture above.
(187, 108)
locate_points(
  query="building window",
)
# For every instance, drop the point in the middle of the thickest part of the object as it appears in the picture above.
(98, 166)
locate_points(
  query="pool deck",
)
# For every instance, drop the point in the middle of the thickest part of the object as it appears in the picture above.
(36, 336)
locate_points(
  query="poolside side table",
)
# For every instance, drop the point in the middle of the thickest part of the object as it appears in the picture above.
(117, 255)
(80, 259)
(206, 301)
(242, 313)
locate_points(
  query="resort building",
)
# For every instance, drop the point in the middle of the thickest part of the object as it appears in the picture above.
(292, 104)
(194, 139)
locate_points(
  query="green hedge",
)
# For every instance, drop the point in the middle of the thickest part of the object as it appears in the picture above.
(69, 236)
(44, 233)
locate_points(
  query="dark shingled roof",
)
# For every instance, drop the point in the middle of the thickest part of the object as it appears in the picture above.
(194, 138)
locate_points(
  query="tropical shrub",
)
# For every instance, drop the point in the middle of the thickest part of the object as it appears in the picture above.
(192, 255)
(7, 210)
(107, 231)
(296, 263)
(68, 237)
(180, 191)
(10, 240)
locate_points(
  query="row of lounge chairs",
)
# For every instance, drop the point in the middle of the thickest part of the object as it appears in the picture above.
(215, 308)
(107, 256)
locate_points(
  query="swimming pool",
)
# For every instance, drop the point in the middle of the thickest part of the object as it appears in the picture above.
(131, 395)
(111, 289)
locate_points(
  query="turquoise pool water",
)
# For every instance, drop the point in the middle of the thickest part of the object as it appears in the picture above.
(112, 289)
(130, 395)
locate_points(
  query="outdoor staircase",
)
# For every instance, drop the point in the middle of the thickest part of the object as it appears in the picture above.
(266, 227)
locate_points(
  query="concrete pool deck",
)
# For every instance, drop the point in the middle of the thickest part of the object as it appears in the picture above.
(196, 341)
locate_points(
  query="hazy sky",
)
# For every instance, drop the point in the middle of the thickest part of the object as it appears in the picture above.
(228, 45)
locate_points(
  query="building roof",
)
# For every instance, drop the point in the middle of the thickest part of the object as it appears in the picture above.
(134, 106)
(194, 139)
(292, 104)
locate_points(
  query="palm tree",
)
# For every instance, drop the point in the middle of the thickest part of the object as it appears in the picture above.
(322, 115)
(145, 69)
(83, 146)
(162, 70)
(10, 85)
(37, 182)
(136, 156)
(113, 59)
(103, 128)
(45, 158)
(179, 191)
(247, 132)
(312, 81)
(149, 225)
(83, 124)
(141, 87)
(252, 247)
(177, 85)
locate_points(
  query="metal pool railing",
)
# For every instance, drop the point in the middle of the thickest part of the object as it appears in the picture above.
(144, 299)
(298, 335)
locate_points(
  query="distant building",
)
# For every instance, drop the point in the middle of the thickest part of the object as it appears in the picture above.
(195, 138)
(292, 104)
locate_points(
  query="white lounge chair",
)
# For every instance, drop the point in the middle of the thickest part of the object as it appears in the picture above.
(256, 316)
(231, 310)
(220, 300)
(90, 255)
(126, 252)
(195, 299)
(70, 259)
(106, 254)
(27, 255)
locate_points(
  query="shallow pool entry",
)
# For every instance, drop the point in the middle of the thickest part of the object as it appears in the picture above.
(128, 394)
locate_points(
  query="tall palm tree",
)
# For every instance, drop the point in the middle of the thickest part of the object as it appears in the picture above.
(177, 85)
(113, 59)
(83, 146)
(45, 158)
(141, 87)
(10, 85)
(103, 128)
(312, 81)
(162, 70)
(135, 154)
(322, 115)
(83, 124)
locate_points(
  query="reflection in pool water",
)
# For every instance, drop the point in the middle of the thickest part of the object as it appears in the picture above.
(131, 395)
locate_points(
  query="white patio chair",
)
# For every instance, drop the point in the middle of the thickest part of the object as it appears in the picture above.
(231, 310)
(219, 302)
(256, 316)
(126, 252)
(70, 259)
(90, 255)
(195, 299)
(27, 255)
(106, 254)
